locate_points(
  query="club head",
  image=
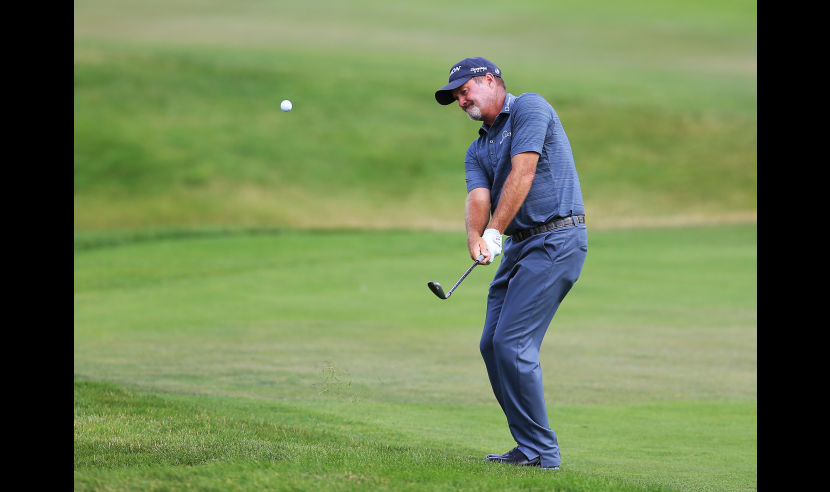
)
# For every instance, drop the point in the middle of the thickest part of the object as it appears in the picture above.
(436, 289)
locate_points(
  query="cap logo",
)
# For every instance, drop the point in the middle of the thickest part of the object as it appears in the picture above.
(455, 69)
(478, 69)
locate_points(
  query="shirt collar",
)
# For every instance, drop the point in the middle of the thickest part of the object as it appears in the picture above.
(505, 110)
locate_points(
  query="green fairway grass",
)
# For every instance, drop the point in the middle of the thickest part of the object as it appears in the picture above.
(284, 359)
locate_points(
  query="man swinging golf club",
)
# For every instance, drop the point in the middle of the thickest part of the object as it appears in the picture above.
(521, 182)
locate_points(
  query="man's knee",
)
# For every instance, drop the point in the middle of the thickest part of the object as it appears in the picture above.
(486, 346)
(503, 349)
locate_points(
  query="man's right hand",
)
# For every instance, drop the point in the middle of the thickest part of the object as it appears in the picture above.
(478, 247)
(488, 245)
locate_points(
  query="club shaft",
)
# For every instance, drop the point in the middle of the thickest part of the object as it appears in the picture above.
(465, 274)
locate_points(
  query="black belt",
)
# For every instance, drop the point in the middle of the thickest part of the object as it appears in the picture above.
(548, 226)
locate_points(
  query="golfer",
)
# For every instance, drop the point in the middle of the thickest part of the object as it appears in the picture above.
(521, 182)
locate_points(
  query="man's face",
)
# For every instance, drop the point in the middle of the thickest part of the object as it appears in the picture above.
(474, 96)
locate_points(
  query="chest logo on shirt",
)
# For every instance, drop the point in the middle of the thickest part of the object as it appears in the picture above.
(504, 135)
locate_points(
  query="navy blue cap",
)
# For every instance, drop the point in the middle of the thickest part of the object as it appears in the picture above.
(463, 71)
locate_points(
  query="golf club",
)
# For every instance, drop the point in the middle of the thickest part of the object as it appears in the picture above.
(435, 287)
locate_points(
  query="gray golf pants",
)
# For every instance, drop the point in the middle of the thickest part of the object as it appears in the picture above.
(533, 278)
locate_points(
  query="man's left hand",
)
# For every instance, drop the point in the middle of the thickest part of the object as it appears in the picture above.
(493, 239)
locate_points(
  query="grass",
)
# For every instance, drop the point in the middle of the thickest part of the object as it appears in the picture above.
(250, 307)
(285, 360)
(129, 439)
(659, 103)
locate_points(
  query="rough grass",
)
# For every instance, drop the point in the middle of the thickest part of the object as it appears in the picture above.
(136, 440)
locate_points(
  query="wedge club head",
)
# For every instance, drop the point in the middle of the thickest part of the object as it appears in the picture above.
(436, 288)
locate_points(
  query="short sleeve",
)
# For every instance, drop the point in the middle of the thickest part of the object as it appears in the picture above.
(473, 172)
(531, 118)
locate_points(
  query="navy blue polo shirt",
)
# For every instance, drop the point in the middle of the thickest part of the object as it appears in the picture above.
(526, 123)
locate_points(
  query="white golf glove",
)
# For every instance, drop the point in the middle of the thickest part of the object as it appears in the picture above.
(493, 239)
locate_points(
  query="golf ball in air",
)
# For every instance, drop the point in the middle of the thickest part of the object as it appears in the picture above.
(286, 105)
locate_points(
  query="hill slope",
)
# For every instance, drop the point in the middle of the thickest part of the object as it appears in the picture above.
(177, 119)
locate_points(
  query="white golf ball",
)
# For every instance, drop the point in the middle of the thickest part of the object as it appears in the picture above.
(286, 105)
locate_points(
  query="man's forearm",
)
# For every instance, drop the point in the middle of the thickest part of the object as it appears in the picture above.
(476, 216)
(477, 212)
